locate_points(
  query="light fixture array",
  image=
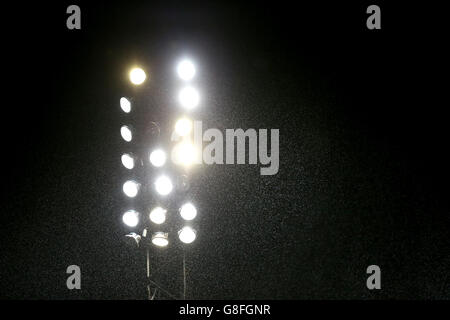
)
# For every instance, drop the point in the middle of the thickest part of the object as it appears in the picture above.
(183, 154)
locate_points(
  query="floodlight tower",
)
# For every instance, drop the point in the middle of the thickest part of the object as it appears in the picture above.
(155, 229)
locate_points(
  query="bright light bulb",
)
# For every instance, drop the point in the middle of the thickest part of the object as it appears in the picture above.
(187, 235)
(188, 211)
(189, 97)
(184, 153)
(126, 133)
(131, 188)
(131, 218)
(127, 161)
(125, 104)
(158, 215)
(183, 127)
(186, 69)
(158, 158)
(137, 76)
(160, 239)
(163, 185)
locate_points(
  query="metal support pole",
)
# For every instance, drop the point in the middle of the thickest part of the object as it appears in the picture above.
(148, 264)
(184, 275)
(148, 275)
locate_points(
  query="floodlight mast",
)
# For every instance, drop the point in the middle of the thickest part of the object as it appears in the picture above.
(161, 183)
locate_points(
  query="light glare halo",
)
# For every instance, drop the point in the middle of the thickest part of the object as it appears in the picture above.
(131, 188)
(160, 239)
(187, 235)
(158, 158)
(137, 76)
(163, 185)
(186, 70)
(131, 218)
(183, 127)
(184, 153)
(126, 133)
(158, 215)
(125, 104)
(189, 97)
(127, 161)
(188, 211)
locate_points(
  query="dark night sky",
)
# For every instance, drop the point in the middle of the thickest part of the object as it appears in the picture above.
(363, 134)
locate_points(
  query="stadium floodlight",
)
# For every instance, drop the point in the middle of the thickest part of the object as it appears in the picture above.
(131, 188)
(158, 215)
(128, 161)
(184, 153)
(158, 158)
(186, 69)
(187, 235)
(131, 218)
(183, 127)
(137, 76)
(188, 211)
(163, 185)
(160, 239)
(126, 133)
(125, 104)
(189, 97)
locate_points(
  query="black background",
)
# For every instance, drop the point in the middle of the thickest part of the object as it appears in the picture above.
(363, 139)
